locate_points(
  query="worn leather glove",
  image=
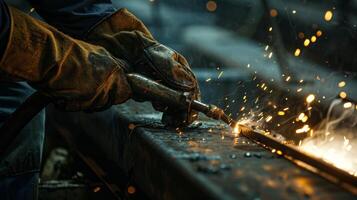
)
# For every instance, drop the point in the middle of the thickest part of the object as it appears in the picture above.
(126, 37)
(78, 75)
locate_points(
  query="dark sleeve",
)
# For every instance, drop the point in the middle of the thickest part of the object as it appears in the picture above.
(73, 17)
(4, 27)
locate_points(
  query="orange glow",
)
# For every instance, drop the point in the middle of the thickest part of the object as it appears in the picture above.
(273, 12)
(131, 189)
(211, 6)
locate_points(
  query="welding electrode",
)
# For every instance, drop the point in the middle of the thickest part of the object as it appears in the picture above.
(154, 91)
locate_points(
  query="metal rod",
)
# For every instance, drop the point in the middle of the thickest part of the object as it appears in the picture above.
(292, 153)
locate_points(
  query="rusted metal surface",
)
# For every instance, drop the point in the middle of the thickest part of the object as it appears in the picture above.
(198, 163)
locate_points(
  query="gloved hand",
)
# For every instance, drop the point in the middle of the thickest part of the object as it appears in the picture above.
(126, 37)
(78, 75)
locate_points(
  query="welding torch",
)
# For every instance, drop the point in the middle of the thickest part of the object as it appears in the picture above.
(142, 87)
(156, 92)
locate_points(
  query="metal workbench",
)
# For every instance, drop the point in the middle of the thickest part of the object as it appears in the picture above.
(198, 163)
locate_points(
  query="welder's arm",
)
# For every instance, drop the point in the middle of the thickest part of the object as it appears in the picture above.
(78, 75)
(126, 37)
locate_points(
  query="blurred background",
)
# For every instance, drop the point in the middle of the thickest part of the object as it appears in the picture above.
(288, 67)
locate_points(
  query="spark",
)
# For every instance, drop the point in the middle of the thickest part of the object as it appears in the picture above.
(341, 84)
(297, 52)
(220, 74)
(343, 94)
(208, 80)
(266, 47)
(281, 113)
(269, 118)
(299, 90)
(302, 117)
(303, 129)
(285, 109)
(347, 105)
(270, 29)
(318, 33)
(328, 15)
(294, 11)
(306, 42)
(270, 55)
(310, 98)
(313, 39)
(287, 78)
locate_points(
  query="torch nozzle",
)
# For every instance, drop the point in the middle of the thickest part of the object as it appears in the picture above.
(213, 112)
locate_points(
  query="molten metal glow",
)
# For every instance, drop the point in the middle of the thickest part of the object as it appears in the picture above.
(236, 129)
(336, 152)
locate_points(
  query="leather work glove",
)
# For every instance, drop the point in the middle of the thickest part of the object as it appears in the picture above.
(126, 37)
(77, 75)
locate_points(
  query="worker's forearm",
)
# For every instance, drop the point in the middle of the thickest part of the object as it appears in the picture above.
(4, 27)
(73, 17)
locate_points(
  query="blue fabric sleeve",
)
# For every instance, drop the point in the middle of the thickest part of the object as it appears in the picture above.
(73, 17)
(4, 27)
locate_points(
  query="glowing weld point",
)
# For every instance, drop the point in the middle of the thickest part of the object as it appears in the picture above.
(236, 130)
